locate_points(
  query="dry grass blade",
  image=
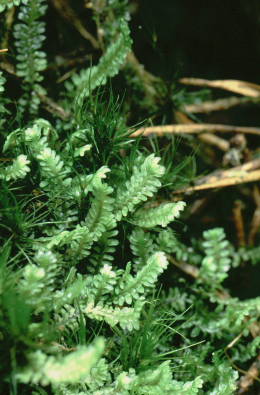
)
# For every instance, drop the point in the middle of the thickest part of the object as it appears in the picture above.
(194, 128)
(217, 105)
(242, 87)
(3, 50)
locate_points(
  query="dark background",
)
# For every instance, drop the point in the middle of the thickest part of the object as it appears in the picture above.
(206, 38)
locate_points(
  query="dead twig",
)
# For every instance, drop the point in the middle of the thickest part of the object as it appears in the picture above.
(68, 13)
(219, 174)
(54, 108)
(214, 140)
(191, 270)
(239, 223)
(9, 20)
(251, 375)
(254, 226)
(199, 204)
(8, 67)
(255, 222)
(147, 78)
(218, 105)
(228, 347)
(207, 138)
(63, 348)
(242, 87)
(194, 129)
(222, 178)
(241, 178)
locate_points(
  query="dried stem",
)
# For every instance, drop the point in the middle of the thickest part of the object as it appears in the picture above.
(68, 13)
(251, 375)
(239, 223)
(211, 139)
(54, 108)
(225, 182)
(255, 223)
(194, 129)
(242, 87)
(223, 178)
(218, 105)
(207, 138)
(185, 267)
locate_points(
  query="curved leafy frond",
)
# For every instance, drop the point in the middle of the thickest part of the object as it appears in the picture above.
(143, 183)
(30, 34)
(217, 261)
(109, 65)
(142, 247)
(130, 288)
(162, 215)
(18, 169)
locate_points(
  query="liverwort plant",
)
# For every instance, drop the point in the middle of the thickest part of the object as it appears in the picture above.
(88, 236)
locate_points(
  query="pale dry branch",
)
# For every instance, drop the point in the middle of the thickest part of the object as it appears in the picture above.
(247, 172)
(250, 376)
(242, 87)
(214, 140)
(69, 14)
(219, 174)
(207, 138)
(191, 270)
(225, 182)
(255, 222)
(239, 222)
(147, 78)
(194, 129)
(217, 105)
(54, 108)
(254, 226)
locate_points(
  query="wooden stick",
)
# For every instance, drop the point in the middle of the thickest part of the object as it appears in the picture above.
(53, 107)
(217, 105)
(220, 174)
(194, 128)
(212, 139)
(239, 223)
(69, 14)
(208, 138)
(242, 87)
(225, 182)
(255, 222)
(185, 267)
(251, 375)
